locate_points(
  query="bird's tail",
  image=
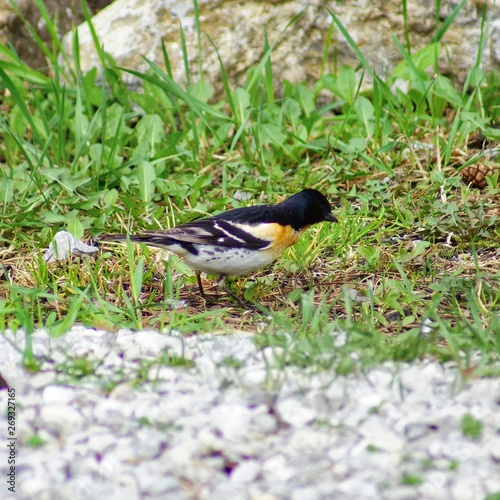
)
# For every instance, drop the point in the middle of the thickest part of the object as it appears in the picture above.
(121, 237)
(148, 239)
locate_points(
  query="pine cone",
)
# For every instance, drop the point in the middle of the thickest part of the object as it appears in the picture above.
(475, 175)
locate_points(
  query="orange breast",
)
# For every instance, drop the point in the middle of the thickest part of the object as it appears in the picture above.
(282, 236)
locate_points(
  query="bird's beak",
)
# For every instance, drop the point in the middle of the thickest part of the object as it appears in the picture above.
(330, 217)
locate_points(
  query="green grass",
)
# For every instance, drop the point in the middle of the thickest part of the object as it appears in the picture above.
(414, 243)
(471, 427)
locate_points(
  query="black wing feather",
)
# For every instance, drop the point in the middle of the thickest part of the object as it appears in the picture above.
(207, 232)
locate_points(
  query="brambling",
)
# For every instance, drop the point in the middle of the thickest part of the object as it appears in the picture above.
(241, 240)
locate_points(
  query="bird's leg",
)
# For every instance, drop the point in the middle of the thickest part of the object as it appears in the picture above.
(221, 283)
(200, 284)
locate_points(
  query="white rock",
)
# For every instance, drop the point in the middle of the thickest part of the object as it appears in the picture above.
(491, 483)
(307, 442)
(153, 482)
(371, 401)
(143, 344)
(306, 493)
(112, 412)
(276, 469)
(100, 440)
(42, 379)
(401, 493)
(264, 423)
(353, 488)
(25, 422)
(232, 490)
(124, 392)
(469, 486)
(377, 433)
(246, 472)
(60, 419)
(477, 393)
(182, 454)
(434, 487)
(312, 436)
(294, 413)
(149, 443)
(232, 420)
(255, 376)
(493, 447)
(58, 394)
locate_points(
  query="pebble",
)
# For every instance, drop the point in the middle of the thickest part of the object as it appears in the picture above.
(416, 430)
(60, 419)
(139, 428)
(231, 420)
(295, 413)
(58, 394)
(246, 472)
(494, 449)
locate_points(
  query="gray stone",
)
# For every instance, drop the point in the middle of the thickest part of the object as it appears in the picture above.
(416, 430)
(129, 29)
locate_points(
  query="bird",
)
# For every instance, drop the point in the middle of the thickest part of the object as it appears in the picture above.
(238, 241)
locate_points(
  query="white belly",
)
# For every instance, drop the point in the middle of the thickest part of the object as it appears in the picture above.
(230, 262)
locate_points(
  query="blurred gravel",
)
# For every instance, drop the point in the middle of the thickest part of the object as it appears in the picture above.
(239, 429)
